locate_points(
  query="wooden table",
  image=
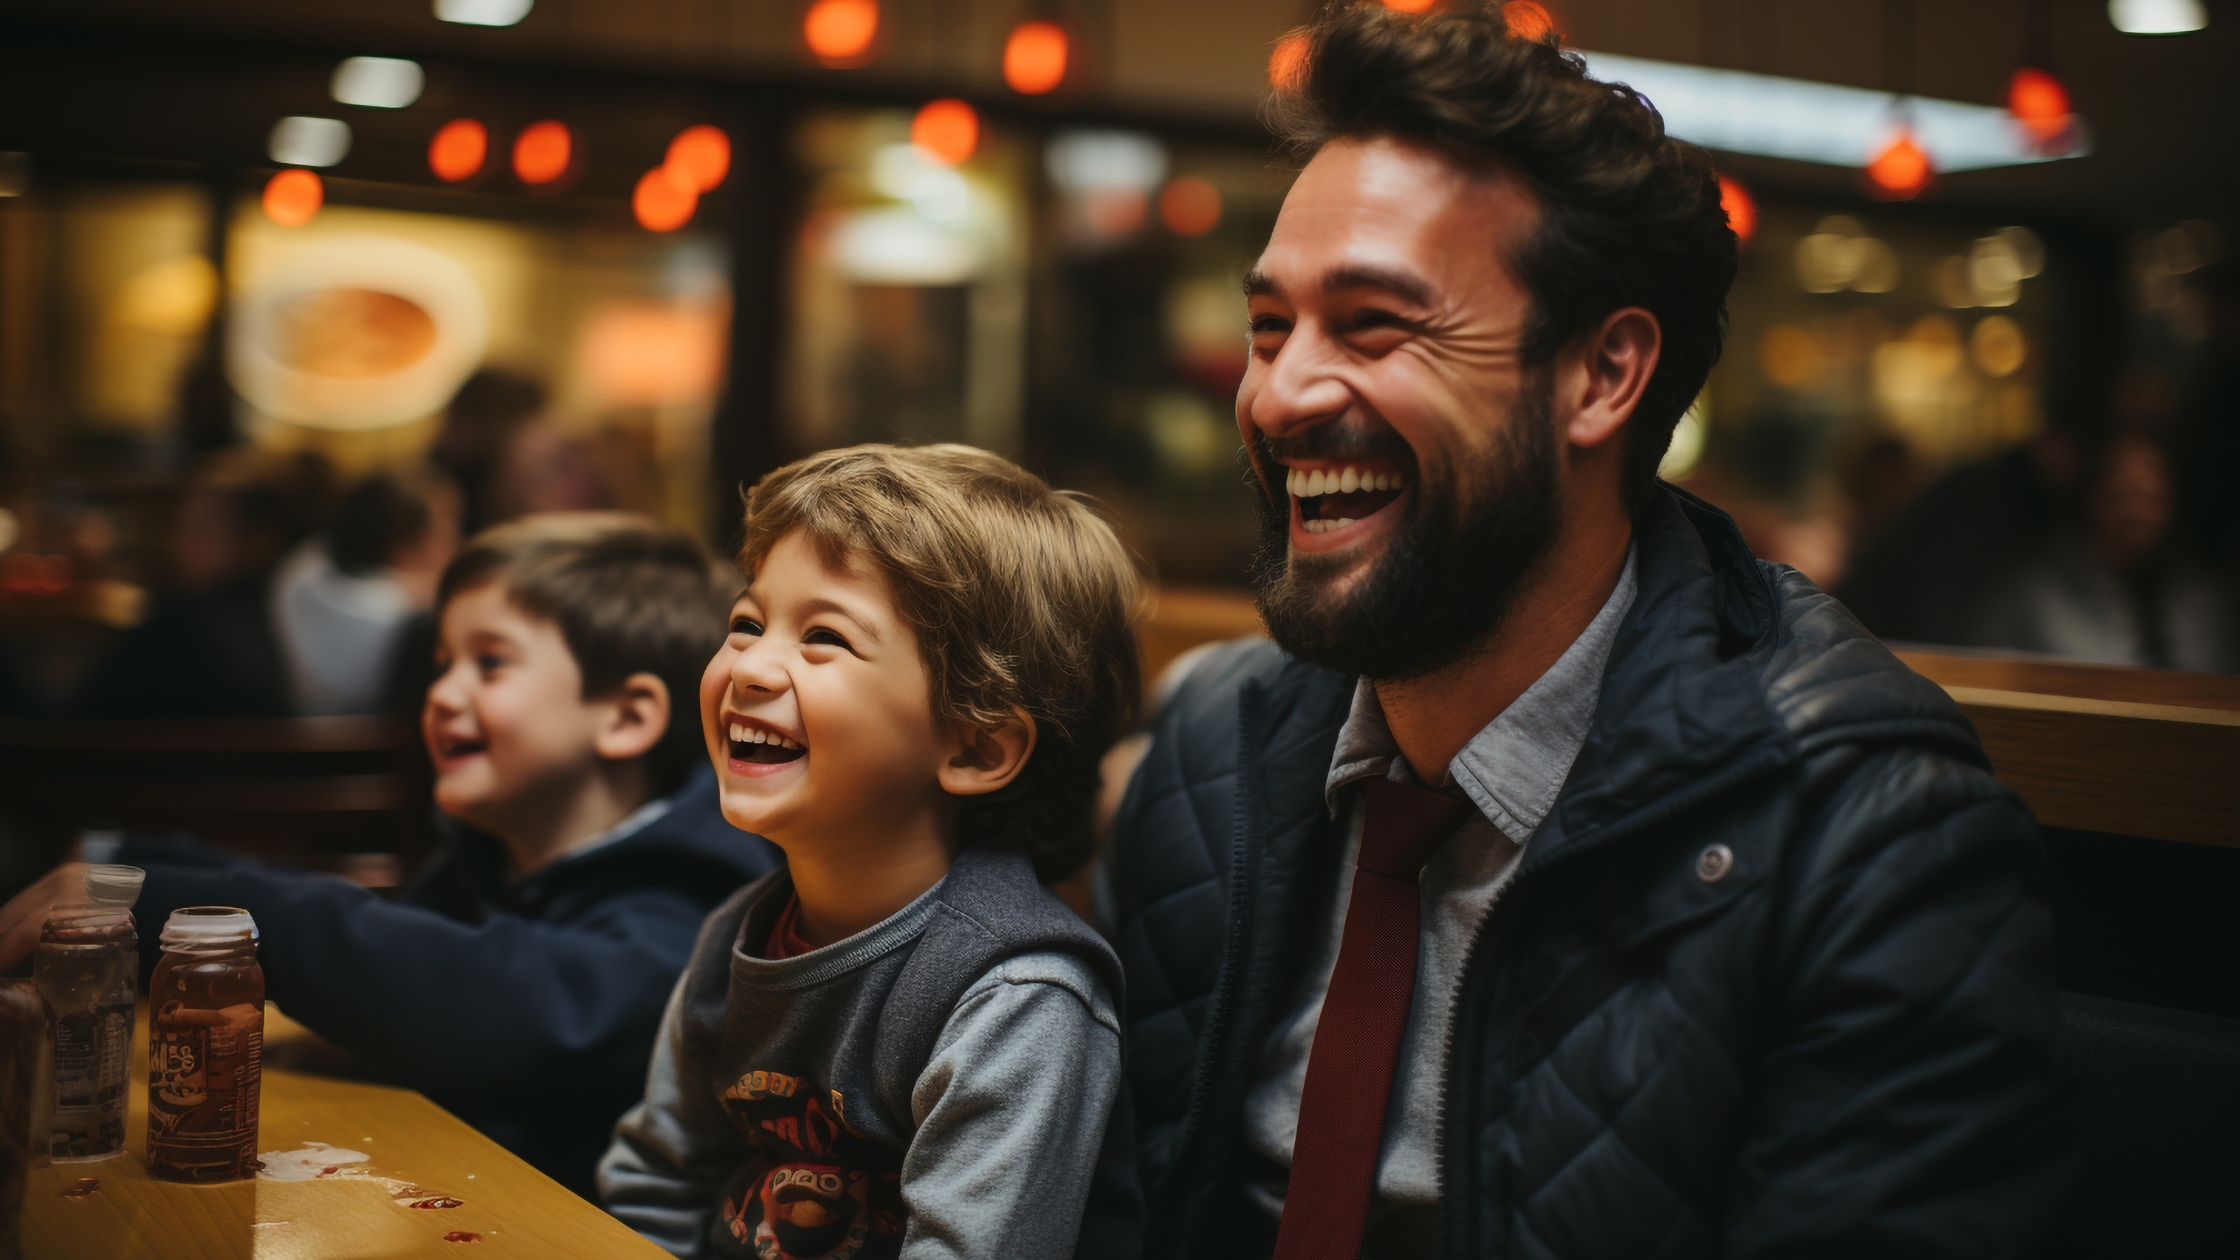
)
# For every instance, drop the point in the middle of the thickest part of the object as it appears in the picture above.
(513, 1209)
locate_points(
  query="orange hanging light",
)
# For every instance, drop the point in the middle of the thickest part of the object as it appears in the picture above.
(840, 33)
(1742, 211)
(700, 156)
(542, 151)
(1034, 58)
(292, 197)
(664, 199)
(948, 129)
(1190, 205)
(2039, 102)
(1409, 6)
(1287, 65)
(1529, 21)
(1902, 169)
(458, 150)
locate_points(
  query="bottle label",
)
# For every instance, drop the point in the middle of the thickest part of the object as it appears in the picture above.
(205, 1072)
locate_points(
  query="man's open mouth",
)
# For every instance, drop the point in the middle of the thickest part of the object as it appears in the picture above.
(1333, 498)
(757, 746)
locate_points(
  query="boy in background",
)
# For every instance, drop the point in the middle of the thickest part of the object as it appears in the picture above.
(519, 980)
(901, 1042)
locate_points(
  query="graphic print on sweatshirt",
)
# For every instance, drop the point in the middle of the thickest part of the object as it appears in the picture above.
(815, 1189)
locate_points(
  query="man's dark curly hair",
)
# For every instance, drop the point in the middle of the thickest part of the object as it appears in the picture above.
(1629, 216)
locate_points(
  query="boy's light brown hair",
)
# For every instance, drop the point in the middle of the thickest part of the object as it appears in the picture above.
(1020, 596)
(629, 594)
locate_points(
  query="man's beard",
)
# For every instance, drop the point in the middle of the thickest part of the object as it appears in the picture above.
(1449, 575)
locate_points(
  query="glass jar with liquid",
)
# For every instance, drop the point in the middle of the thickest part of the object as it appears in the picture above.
(87, 970)
(205, 1047)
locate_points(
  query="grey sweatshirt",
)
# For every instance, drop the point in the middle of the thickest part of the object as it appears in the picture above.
(937, 1085)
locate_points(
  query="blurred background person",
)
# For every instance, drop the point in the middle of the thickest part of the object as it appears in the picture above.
(2209, 427)
(343, 599)
(207, 647)
(478, 426)
(2122, 590)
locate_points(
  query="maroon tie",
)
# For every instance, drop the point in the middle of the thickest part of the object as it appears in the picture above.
(1357, 1040)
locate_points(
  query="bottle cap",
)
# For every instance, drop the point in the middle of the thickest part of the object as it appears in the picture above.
(206, 927)
(83, 923)
(114, 885)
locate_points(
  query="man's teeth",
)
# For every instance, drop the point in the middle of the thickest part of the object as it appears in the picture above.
(1351, 479)
(1324, 527)
(744, 734)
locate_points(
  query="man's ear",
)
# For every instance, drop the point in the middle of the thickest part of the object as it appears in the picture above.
(637, 717)
(1616, 361)
(982, 761)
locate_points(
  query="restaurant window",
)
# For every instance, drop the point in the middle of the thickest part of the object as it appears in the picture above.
(1143, 344)
(908, 299)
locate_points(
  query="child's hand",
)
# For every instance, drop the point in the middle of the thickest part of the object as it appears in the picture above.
(26, 912)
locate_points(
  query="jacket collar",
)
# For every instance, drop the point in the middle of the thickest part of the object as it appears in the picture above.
(1682, 709)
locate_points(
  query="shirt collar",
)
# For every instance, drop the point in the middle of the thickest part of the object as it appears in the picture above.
(1514, 768)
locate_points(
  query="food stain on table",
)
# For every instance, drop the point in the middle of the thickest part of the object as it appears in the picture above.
(317, 1161)
(83, 1188)
(462, 1235)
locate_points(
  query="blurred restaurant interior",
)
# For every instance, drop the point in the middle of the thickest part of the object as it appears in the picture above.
(292, 296)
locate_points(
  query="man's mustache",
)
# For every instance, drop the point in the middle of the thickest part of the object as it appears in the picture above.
(1335, 442)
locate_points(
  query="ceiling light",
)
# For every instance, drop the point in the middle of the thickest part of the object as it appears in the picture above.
(1034, 58)
(1287, 65)
(291, 198)
(300, 141)
(458, 150)
(542, 151)
(377, 82)
(1741, 210)
(839, 33)
(1900, 169)
(483, 12)
(702, 155)
(664, 199)
(2157, 17)
(1080, 160)
(1819, 122)
(948, 129)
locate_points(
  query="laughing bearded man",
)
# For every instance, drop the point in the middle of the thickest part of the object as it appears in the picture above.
(1562, 881)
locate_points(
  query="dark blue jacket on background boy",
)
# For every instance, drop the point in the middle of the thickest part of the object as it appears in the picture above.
(526, 1008)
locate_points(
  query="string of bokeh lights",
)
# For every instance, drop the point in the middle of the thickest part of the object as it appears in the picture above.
(1037, 60)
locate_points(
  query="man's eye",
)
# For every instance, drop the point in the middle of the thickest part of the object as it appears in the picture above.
(746, 625)
(1270, 324)
(825, 638)
(489, 664)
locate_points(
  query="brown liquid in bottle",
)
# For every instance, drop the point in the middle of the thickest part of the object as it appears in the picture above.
(205, 1048)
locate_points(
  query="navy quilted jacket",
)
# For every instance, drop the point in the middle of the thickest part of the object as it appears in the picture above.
(1844, 1045)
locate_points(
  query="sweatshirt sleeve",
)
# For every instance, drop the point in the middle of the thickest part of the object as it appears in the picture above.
(673, 1151)
(454, 1008)
(1011, 1114)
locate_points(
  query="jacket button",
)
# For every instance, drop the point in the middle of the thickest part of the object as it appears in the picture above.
(1713, 863)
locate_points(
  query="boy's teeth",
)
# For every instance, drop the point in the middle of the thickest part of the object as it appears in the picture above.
(1351, 479)
(741, 733)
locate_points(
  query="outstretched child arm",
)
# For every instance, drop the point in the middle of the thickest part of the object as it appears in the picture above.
(1011, 1113)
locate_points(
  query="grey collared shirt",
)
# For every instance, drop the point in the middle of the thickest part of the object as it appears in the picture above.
(1512, 770)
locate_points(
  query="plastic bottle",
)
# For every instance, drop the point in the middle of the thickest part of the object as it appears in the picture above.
(205, 1047)
(87, 970)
